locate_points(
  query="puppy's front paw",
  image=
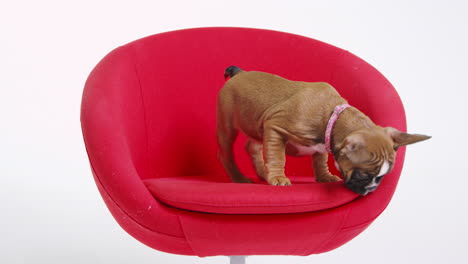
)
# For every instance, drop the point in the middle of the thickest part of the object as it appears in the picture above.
(328, 178)
(279, 180)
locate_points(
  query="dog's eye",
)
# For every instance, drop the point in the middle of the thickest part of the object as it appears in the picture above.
(378, 179)
(361, 175)
(375, 171)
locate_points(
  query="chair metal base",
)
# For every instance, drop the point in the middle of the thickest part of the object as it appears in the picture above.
(237, 259)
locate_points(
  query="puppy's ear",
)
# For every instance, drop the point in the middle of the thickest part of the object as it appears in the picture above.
(402, 139)
(354, 148)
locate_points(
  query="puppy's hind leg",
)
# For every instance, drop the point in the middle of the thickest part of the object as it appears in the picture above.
(275, 157)
(255, 151)
(226, 136)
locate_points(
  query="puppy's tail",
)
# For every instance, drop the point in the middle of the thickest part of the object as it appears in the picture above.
(231, 71)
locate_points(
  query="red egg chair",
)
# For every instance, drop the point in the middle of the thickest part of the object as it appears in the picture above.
(148, 121)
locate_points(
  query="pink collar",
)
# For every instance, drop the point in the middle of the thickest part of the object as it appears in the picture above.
(331, 123)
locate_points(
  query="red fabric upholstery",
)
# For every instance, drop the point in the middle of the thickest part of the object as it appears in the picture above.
(148, 116)
(204, 194)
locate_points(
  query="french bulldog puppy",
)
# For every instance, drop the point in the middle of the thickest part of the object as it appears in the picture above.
(283, 117)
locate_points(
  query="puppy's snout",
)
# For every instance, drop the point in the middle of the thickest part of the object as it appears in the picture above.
(363, 183)
(374, 184)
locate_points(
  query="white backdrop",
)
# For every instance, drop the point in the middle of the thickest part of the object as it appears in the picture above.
(50, 209)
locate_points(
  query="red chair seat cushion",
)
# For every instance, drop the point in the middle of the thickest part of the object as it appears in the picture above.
(202, 194)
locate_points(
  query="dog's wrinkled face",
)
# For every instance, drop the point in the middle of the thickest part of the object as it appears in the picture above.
(366, 156)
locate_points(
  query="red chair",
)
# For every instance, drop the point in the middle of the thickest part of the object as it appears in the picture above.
(148, 121)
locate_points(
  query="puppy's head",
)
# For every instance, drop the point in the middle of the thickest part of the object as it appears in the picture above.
(365, 156)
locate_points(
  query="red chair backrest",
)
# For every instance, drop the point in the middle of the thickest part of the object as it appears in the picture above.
(181, 72)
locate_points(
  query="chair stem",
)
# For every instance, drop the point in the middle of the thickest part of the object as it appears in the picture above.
(237, 259)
